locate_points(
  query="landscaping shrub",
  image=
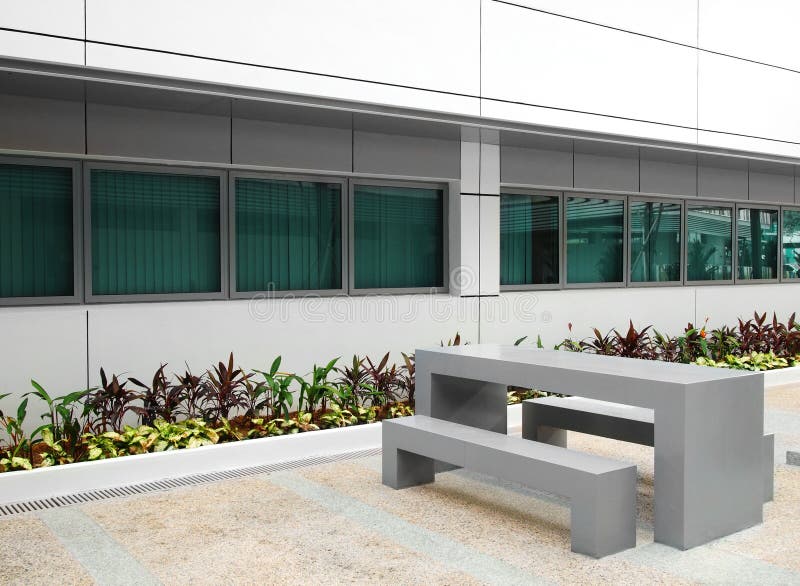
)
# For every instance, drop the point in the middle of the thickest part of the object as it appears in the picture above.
(756, 344)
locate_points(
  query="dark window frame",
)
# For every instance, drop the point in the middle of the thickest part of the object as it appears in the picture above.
(351, 289)
(787, 208)
(756, 206)
(344, 203)
(683, 235)
(564, 237)
(90, 297)
(77, 231)
(561, 249)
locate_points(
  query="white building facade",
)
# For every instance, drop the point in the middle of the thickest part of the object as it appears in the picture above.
(180, 179)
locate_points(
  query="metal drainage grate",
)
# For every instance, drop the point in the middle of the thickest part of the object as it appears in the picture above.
(170, 483)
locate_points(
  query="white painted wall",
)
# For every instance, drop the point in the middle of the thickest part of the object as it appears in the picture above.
(764, 31)
(618, 66)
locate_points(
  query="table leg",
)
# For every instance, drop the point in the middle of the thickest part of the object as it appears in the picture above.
(708, 462)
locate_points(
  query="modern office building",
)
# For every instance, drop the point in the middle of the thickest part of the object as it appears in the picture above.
(180, 179)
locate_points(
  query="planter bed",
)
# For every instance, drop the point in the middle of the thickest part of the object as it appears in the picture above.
(41, 483)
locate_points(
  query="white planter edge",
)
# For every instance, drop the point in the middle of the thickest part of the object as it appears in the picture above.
(42, 483)
(782, 376)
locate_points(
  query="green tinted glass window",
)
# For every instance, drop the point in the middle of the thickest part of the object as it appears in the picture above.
(529, 239)
(36, 240)
(655, 229)
(791, 244)
(154, 233)
(594, 240)
(709, 243)
(397, 237)
(288, 235)
(757, 243)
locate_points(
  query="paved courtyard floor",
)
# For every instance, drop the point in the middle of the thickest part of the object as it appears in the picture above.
(336, 524)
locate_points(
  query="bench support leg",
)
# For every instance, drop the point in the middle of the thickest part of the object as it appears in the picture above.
(533, 430)
(604, 514)
(768, 463)
(402, 469)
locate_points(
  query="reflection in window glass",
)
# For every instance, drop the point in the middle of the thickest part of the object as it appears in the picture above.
(528, 239)
(757, 239)
(655, 242)
(594, 240)
(709, 243)
(791, 244)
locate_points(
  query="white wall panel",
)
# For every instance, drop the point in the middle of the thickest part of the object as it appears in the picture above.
(586, 122)
(545, 60)
(54, 17)
(763, 31)
(673, 20)
(745, 143)
(272, 79)
(421, 43)
(548, 313)
(724, 305)
(746, 98)
(137, 338)
(28, 46)
(47, 344)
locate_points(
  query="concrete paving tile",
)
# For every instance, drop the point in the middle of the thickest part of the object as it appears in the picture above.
(30, 554)
(246, 531)
(519, 529)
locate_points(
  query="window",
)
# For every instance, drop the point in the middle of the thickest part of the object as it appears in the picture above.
(529, 239)
(398, 237)
(757, 243)
(37, 257)
(288, 235)
(154, 233)
(709, 243)
(655, 232)
(595, 229)
(791, 244)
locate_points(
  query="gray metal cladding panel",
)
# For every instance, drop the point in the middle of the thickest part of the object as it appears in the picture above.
(41, 124)
(296, 146)
(717, 179)
(395, 154)
(535, 166)
(771, 187)
(157, 134)
(671, 178)
(605, 167)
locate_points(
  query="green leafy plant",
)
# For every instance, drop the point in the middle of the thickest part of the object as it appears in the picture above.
(67, 423)
(314, 393)
(337, 417)
(300, 423)
(19, 449)
(279, 395)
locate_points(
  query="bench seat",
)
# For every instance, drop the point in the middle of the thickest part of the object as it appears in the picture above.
(547, 420)
(602, 491)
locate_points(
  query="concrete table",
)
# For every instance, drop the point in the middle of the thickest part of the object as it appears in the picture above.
(709, 422)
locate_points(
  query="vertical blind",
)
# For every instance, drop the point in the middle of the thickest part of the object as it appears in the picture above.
(398, 237)
(154, 233)
(36, 240)
(288, 235)
(529, 239)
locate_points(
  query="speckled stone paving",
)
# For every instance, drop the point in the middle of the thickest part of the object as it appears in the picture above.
(337, 524)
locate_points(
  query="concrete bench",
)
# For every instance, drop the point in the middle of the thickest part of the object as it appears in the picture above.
(602, 492)
(548, 419)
